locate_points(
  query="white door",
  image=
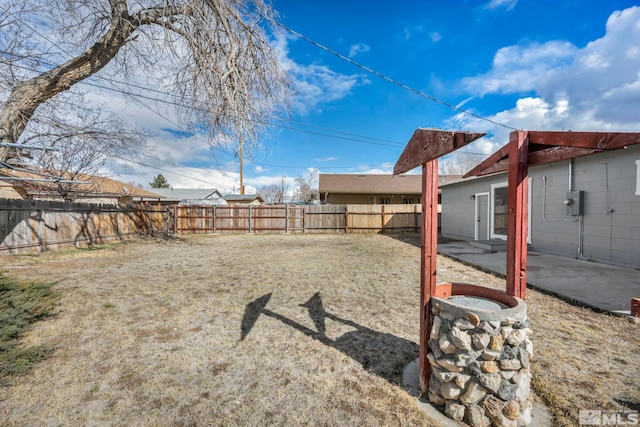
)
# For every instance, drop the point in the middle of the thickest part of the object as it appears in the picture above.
(482, 217)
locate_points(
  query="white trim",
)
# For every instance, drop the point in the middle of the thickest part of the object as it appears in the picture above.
(638, 178)
(491, 234)
(476, 233)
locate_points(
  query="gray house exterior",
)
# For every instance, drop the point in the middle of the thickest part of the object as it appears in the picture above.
(598, 220)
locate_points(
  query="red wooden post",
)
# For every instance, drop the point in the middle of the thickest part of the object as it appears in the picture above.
(517, 213)
(429, 252)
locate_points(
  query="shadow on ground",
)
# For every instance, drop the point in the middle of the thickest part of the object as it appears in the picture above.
(382, 354)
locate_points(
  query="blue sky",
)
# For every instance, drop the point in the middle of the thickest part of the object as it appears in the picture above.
(526, 64)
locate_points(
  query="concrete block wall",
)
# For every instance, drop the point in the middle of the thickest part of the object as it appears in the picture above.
(609, 227)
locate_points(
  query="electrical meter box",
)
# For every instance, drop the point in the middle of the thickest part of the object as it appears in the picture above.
(575, 203)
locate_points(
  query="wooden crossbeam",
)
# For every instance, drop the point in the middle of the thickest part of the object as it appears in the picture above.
(429, 144)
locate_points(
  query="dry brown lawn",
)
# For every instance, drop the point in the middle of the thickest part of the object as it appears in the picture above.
(273, 330)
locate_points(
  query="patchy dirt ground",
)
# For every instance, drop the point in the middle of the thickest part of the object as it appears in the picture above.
(276, 330)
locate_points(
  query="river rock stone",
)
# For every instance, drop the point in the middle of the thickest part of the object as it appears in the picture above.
(512, 410)
(460, 338)
(446, 345)
(490, 381)
(455, 411)
(486, 327)
(436, 399)
(443, 376)
(507, 391)
(495, 343)
(490, 355)
(516, 337)
(510, 364)
(490, 367)
(450, 391)
(523, 356)
(475, 392)
(509, 352)
(462, 380)
(507, 375)
(508, 321)
(476, 417)
(435, 327)
(529, 347)
(449, 364)
(523, 383)
(506, 331)
(493, 406)
(463, 324)
(472, 318)
(481, 341)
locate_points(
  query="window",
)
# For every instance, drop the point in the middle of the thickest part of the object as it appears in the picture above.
(408, 201)
(499, 210)
(498, 214)
(638, 178)
(385, 201)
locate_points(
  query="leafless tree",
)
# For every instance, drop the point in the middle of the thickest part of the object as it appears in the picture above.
(209, 54)
(82, 143)
(307, 191)
(274, 193)
(458, 163)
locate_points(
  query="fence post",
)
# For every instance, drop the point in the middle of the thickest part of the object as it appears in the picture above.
(286, 219)
(382, 219)
(304, 219)
(346, 219)
(249, 219)
(214, 219)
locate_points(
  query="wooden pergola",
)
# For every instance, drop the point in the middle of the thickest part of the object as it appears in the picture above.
(524, 149)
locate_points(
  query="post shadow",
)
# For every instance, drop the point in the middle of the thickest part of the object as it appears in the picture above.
(379, 353)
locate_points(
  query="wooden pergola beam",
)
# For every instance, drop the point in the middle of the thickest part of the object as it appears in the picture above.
(429, 144)
(593, 140)
(536, 158)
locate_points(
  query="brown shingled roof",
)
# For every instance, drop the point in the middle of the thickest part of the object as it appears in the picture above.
(368, 184)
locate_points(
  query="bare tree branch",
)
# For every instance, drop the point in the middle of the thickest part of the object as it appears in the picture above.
(217, 54)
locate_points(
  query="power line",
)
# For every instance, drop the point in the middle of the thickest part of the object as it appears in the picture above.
(370, 70)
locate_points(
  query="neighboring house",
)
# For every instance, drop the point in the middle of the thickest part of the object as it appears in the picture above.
(190, 196)
(373, 189)
(599, 220)
(244, 199)
(22, 184)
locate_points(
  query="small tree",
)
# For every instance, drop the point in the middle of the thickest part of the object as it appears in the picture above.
(307, 191)
(274, 193)
(159, 181)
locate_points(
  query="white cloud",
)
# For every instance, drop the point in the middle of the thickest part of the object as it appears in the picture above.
(435, 36)
(521, 68)
(326, 159)
(501, 4)
(593, 88)
(315, 84)
(358, 48)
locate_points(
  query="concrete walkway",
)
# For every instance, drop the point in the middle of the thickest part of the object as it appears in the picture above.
(599, 286)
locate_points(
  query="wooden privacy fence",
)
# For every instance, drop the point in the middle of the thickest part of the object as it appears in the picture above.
(37, 225)
(297, 219)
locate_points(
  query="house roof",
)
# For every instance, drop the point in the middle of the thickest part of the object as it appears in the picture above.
(188, 193)
(100, 186)
(243, 197)
(373, 184)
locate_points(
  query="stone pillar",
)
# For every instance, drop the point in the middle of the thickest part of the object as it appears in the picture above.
(479, 354)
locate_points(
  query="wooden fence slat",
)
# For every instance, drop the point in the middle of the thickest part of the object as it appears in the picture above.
(38, 225)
